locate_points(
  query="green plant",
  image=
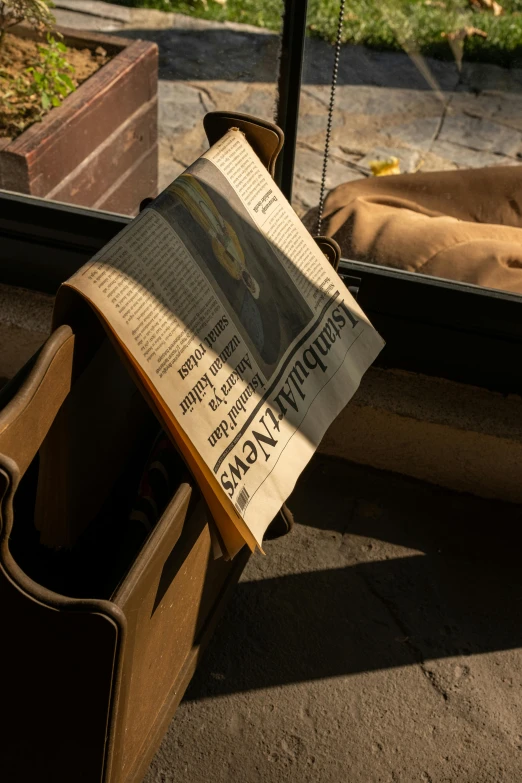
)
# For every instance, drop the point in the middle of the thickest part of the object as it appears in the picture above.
(49, 78)
(28, 97)
(35, 13)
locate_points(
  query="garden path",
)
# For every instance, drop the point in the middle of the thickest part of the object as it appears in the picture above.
(427, 113)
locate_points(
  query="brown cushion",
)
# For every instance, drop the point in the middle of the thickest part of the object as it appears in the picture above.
(463, 225)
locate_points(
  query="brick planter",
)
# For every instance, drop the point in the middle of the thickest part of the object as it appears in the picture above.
(99, 148)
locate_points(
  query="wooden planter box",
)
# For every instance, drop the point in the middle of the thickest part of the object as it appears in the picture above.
(99, 148)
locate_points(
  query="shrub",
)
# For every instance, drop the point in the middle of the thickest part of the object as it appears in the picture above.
(36, 13)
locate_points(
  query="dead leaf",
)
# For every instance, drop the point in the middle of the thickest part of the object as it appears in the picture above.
(456, 41)
(464, 32)
(383, 168)
(487, 5)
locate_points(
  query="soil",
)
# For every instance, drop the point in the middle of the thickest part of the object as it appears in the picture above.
(17, 54)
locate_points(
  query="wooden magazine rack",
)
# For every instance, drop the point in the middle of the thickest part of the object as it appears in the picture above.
(89, 684)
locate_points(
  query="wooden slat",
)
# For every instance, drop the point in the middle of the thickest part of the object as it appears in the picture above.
(14, 172)
(138, 183)
(171, 598)
(97, 173)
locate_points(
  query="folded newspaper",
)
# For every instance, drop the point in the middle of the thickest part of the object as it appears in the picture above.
(238, 329)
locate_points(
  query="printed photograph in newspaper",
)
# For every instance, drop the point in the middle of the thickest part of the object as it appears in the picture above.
(253, 285)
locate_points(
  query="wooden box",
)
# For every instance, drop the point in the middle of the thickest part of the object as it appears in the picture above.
(99, 148)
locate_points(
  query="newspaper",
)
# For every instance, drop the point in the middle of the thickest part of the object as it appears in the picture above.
(239, 329)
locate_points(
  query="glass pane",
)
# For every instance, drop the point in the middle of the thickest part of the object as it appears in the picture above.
(430, 90)
(99, 144)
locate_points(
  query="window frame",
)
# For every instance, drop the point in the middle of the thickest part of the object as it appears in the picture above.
(437, 327)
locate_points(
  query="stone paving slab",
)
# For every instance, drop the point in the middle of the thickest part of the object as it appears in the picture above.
(490, 105)
(98, 9)
(86, 23)
(481, 134)
(427, 113)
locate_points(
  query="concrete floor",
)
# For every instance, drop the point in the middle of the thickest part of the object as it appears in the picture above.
(378, 642)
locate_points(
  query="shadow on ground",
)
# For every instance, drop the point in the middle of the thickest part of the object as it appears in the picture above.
(457, 592)
(230, 55)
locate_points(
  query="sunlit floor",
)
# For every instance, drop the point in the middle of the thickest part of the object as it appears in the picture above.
(379, 641)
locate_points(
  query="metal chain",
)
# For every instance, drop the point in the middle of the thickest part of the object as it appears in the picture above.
(335, 71)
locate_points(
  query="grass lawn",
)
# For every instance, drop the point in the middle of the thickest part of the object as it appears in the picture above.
(381, 24)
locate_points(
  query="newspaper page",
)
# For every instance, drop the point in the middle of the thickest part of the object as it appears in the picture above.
(233, 314)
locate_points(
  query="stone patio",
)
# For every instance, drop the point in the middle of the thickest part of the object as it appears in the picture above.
(430, 115)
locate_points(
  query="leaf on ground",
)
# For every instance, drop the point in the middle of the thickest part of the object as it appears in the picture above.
(383, 168)
(435, 3)
(464, 32)
(487, 5)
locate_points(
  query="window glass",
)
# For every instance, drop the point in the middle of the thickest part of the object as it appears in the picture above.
(426, 131)
(429, 92)
(100, 146)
